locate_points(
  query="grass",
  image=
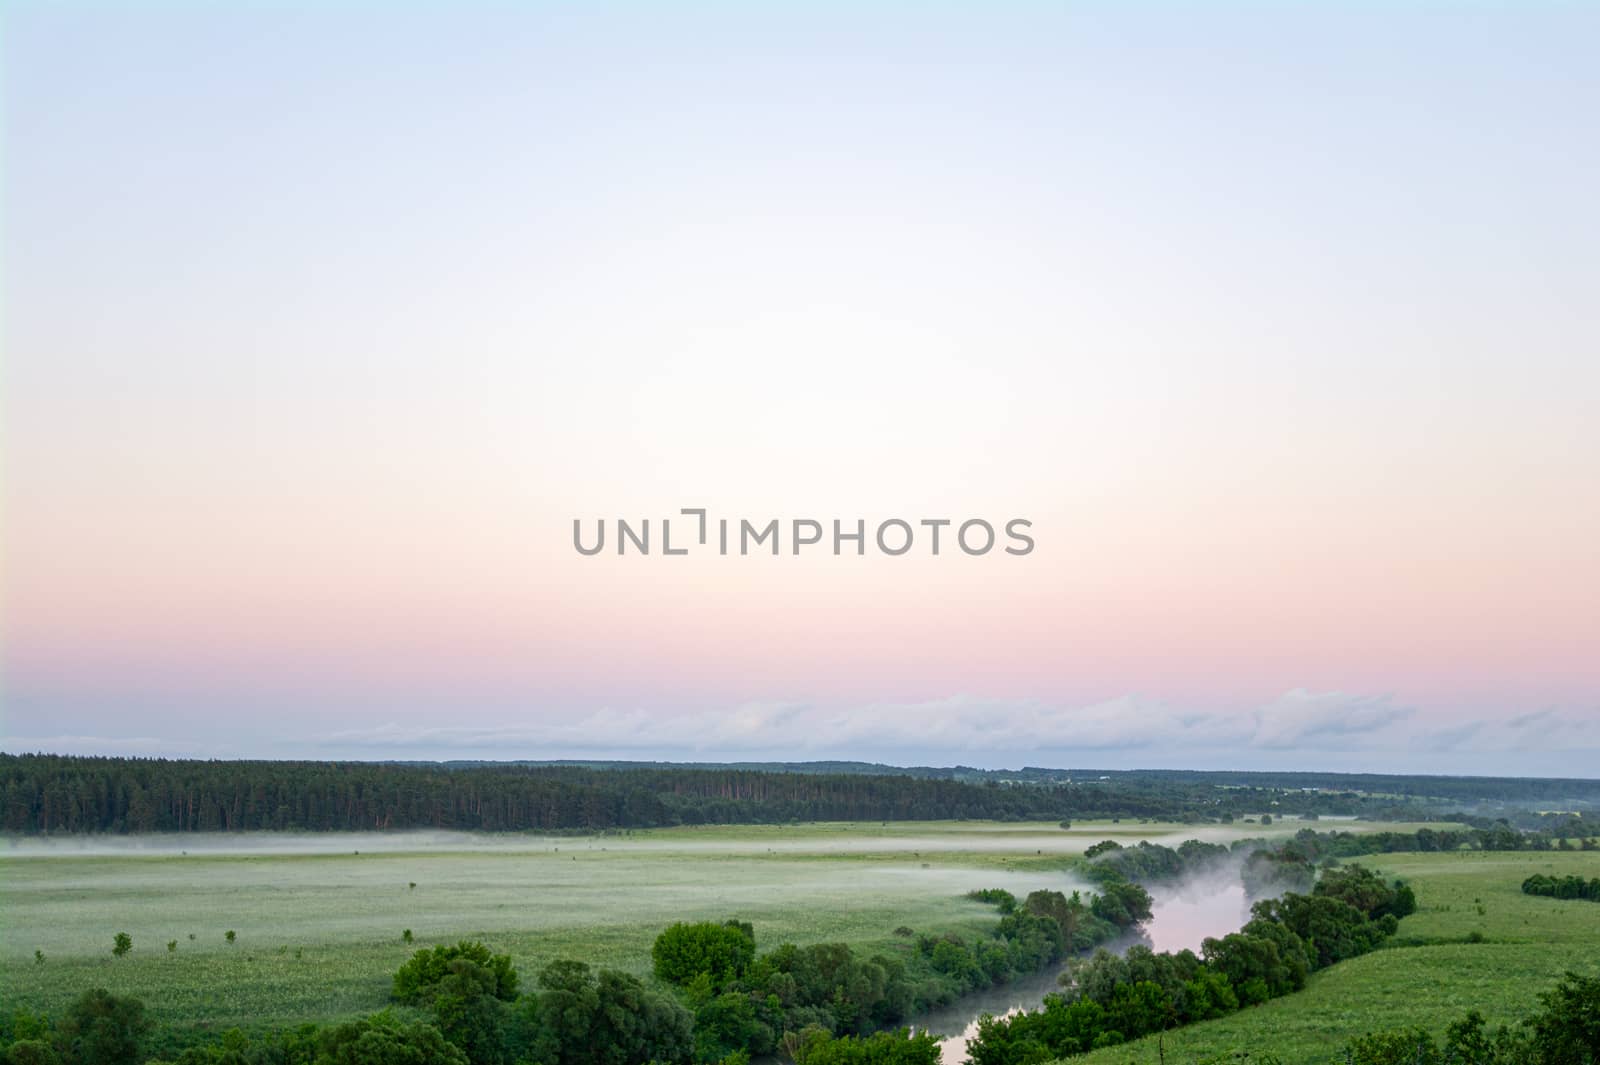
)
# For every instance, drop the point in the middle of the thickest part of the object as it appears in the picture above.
(319, 926)
(1428, 976)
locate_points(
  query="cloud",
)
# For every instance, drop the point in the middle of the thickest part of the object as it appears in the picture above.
(101, 745)
(1455, 738)
(1125, 722)
(954, 725)
(1300, 728)
(1552, 728)
(1299, 717)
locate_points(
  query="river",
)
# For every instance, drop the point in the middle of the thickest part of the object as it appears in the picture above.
(1181, 917)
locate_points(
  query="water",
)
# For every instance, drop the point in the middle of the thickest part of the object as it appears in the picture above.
(1182, 916)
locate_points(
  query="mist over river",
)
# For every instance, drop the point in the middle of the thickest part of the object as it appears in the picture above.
(1183, 915)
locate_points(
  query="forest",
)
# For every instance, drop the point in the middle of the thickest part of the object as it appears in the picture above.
(42, 794)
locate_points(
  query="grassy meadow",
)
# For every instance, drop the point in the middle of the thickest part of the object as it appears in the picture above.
(1431, 972)
(319, 918)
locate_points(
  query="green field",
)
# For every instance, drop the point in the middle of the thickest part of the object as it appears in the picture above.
(319, 926)
(1428, 976)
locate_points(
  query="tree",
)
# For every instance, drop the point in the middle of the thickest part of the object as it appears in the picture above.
(383, 1040)
(1358, 886)
(101, 1029)
(817, 1046)
(31, 1052)
(720, 951)
(1331, 928)
(1122, 903)
(121, 944)
(1208, 996)
(1251, 964)
(1568, 1028)
(1066, 912)
(728, 1024)
(417, 980)
(468, 1014)
(1293, 956)
(578, 1017)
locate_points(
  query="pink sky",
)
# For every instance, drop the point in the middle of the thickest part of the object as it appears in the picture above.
(1282, 343)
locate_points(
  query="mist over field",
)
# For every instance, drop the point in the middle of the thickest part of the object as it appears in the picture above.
(300, 888)
(909, 838)
(1005, 839)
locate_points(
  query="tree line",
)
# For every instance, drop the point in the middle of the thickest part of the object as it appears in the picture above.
(42, 794)
(1311, 845)
(1563, 887)
(56, 794)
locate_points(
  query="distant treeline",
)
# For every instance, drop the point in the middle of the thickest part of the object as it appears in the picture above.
(63, 794)
(1397, 787)
(44, 793)
(1312, 846)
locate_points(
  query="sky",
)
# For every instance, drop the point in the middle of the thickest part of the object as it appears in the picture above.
(323, 323)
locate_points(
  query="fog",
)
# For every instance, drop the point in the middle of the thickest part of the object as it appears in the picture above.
(1183, 915)
(738, 840)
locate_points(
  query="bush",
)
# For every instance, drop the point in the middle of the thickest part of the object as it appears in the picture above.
(1400, 1047)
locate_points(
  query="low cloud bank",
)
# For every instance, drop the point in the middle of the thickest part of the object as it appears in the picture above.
(1299, 729)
